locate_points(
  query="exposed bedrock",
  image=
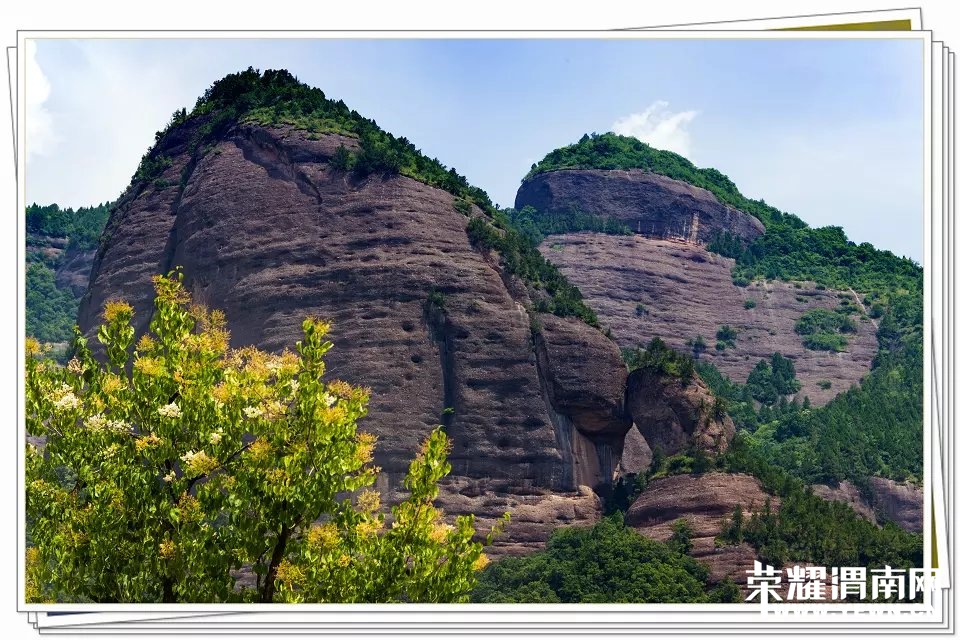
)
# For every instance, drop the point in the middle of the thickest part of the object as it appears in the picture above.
(671, 415)
(650, 204)
(686, 291)
(266, 230)
(704, 501)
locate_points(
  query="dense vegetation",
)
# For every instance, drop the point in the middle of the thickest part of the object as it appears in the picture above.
(807, 528)
(769, 381)
(657, 356)
(608, 562)
(871, 429)
(821, 328)
(82, 226)
(536, 225)
(53, 231)
(176, 461)
(50, 311)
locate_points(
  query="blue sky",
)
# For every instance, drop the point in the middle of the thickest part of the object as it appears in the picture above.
(830, 130)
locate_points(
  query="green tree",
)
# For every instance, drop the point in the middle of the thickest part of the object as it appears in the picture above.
(681, 538)
(178, 461)
(726, 333)
(697, 346)
(608, 562)
(769, 381)
(50, 311)
(342, 159)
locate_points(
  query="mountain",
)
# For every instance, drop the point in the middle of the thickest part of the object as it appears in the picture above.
(279, 204)
(663, 249)
(60, 246)
(634, 336)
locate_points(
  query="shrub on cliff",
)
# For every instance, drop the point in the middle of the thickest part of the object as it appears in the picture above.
(658, 357)
(175, 463)
(769, 381)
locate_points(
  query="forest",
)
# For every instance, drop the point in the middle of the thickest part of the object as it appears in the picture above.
(53, 233)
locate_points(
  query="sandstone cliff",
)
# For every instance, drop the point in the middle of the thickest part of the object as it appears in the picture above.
(650, 204)
(884, 501)
(671, 414)
(687, 291)
(72, 265)
(704, 501)
(900, 502)
(268, 231)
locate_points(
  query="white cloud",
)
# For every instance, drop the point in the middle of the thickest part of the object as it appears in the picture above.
(659, 127)
(40, 136)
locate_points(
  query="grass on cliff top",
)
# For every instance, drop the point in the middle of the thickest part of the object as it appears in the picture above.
(82, 226)
(789, 250)
(276, 97)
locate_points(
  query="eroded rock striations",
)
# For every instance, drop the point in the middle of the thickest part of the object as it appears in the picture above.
(650, 204)
(900, 502)
(266, 229)
(686, 291)
(704, 501)
(74, 273)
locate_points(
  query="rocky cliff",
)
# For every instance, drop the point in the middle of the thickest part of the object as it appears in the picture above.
(704, 501)
(686, 291)
(671, 414)
(650, 204)
(266, 229)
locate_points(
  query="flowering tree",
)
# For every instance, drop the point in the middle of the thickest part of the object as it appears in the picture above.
(165, 473)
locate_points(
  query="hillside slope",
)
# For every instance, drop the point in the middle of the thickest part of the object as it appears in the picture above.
(687, 291)
(814, 342)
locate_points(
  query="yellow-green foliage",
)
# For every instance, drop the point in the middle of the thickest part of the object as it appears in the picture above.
(179, 461)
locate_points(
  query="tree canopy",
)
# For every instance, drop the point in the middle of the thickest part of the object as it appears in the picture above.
(176, 464)
(608, 562)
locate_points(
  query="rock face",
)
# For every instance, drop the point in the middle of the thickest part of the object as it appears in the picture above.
(650, 204)
(75, 271)
(533, 515)
(898, 502)
(637, 455)
(885, 501)
(848, 493)
(704, 501)
(671, 414)
(266, 230)
(687, 291)
(585, 382)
